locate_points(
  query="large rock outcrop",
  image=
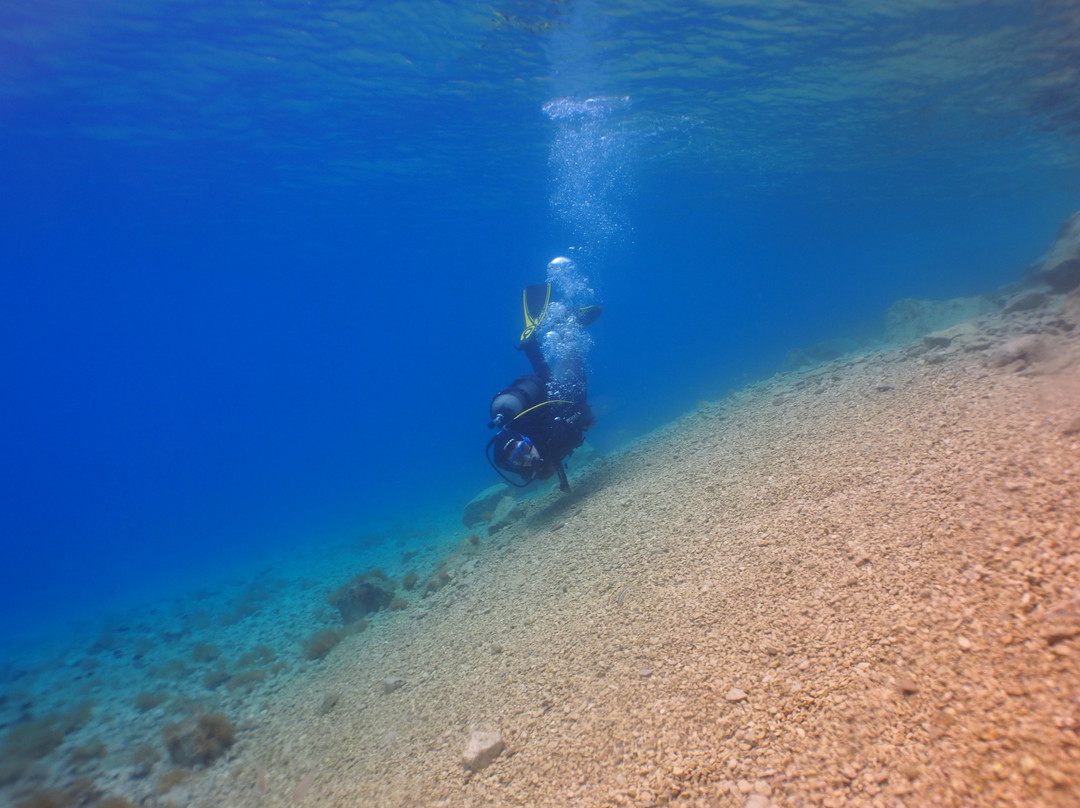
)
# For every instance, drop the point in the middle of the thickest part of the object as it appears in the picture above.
(482, 507)
(1060, 268)
(909, 319)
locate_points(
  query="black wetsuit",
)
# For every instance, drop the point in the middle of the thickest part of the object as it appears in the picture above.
(555, 426)
(554, 420)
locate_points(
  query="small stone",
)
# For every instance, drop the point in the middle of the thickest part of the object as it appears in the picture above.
(964, 643)
(735, 695)
(481, 750)
(907, 686)
(1062, 622)
(392, 683)
(745, 786)
(757, 801)
(329, 702)
(1058, 778)
(644, 673)
(1027, 764)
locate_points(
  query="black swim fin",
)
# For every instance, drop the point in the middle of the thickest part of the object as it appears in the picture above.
(587, 315)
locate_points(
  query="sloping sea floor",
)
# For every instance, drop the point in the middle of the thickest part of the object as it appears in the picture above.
(856, 583)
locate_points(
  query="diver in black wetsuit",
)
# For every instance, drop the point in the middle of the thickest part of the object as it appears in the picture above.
(541, 419)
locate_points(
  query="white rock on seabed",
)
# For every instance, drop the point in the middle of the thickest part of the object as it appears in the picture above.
(392, 683)
(482, 748)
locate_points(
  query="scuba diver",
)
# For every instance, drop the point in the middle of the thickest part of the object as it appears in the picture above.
(542, 417)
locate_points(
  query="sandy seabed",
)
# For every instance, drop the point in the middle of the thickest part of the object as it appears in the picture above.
(853, 585)
(857, 584)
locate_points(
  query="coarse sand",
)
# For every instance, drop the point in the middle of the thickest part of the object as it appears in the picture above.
(857, 584)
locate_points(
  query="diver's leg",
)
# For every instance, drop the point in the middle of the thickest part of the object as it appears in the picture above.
(572, 378)
(531, 347)
(576, 389)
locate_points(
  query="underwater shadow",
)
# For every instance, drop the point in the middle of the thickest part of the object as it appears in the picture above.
(592, 479)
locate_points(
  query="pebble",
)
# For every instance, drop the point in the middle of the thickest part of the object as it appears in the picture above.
(481, 750)
(1062, 622)
(735, 695)
(392, 683)
(907, 686)
(964, 643)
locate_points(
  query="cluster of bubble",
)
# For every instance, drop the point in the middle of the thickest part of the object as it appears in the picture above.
(568, 108)
(589, 162)
(565, 340)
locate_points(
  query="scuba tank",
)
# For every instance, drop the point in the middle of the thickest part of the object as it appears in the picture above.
(523, 394)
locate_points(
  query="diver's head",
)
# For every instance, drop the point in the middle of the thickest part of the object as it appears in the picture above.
(514, 452)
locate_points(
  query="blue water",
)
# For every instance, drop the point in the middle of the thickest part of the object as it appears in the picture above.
(263, 260)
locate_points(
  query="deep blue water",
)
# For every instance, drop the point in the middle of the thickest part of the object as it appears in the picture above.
(263, 260)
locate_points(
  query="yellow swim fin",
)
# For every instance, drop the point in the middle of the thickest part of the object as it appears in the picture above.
(535, 300)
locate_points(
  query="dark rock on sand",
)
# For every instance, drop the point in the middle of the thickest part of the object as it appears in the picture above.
(199, 739)
(482, 507)
(364, 594)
